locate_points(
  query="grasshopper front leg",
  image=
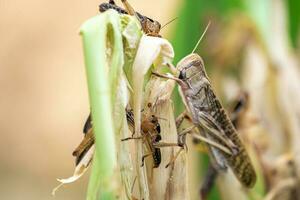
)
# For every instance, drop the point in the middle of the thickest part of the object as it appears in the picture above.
(131, 138)
(189, 130)
(181, 140)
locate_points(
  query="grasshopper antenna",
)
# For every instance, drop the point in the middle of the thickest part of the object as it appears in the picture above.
(169, 22)
(201, 37)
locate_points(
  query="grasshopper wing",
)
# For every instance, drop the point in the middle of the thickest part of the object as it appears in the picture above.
(217, 126)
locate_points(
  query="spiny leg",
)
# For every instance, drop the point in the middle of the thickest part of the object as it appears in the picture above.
(131, 138)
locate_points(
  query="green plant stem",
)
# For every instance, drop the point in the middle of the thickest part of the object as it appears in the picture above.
(104, 163)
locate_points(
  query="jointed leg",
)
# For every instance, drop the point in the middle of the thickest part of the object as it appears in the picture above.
(144, 157)
(181, 143)
(199, 137)
(165, 144)
(174, 158)
(169, 76)
(172, 68)
(129, 8)
(187, 130)
(212, 143)
(131, 138)
(212, 128)
(181, 117)
(182, 136)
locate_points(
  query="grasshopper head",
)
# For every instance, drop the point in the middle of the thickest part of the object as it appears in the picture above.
(151, 27)
(190, 66)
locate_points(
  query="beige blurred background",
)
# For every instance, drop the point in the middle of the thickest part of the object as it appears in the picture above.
(44, 100)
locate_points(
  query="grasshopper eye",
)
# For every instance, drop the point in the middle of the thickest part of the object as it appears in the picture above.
(151, 20)
(182, 75)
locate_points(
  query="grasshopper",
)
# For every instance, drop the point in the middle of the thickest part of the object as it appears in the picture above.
(151, 137)
(150, 130)
(149, 26)
(150, 126)
(238, 108)
(209, 116)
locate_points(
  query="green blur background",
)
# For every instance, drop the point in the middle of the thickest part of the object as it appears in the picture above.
(251, 47)
(44, 100)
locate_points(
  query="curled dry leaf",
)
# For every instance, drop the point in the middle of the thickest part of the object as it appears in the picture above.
(79, 169)
(155, 183)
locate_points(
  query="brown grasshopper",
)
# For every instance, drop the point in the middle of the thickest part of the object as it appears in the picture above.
(150, 127)
(238, 108)
(150, 130)
(151, 137)
(149, 26)
(209, 116)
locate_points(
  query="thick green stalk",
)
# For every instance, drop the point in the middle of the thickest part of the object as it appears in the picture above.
(94, 36)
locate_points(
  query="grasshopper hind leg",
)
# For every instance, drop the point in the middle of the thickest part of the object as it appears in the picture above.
(128, 7)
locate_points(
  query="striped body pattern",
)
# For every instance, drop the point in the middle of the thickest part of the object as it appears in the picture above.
(211, 119)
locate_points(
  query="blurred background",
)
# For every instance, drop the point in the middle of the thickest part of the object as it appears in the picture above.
(251, 47)
(44, 99)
